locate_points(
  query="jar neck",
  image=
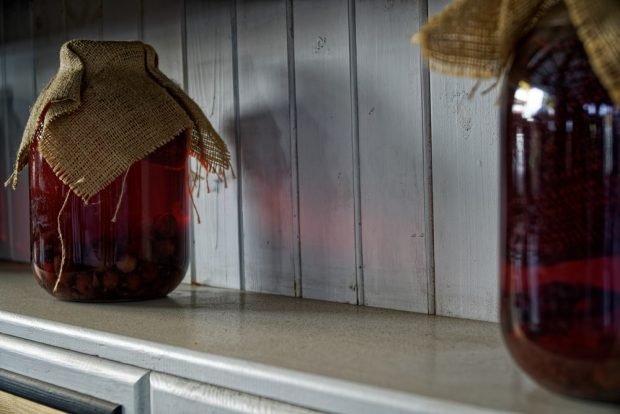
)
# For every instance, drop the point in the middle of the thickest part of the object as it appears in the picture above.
(97, 56)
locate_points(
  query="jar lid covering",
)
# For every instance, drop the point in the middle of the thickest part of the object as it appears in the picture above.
(107, 107)
(476, 37)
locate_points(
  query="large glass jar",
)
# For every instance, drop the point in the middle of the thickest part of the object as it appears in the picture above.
(129, 242)
(560, 216)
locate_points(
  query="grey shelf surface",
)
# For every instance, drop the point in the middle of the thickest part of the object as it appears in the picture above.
(317, 354)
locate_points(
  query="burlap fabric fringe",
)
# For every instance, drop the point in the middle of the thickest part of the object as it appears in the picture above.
(476, 38)
(107, 107)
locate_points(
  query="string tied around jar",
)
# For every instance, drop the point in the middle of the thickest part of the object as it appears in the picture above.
(63, 250)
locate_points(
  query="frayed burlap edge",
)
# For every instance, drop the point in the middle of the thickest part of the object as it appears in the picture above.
(63, 96)
(476, 38)
(598, 28)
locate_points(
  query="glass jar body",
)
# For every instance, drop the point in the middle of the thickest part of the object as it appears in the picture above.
(128, 242)
(560, 216)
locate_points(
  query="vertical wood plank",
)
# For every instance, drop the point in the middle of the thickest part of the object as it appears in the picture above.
(466, 196)
(324, 111)
(163, 23)
(83, 19)
(210, 83)
(18, 97)
(5, 232)
(122, 20)
(268, 223)
(49, 35)
(391, 155)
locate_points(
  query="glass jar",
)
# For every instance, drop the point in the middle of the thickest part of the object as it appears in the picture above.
(560, 215)
(129, 242)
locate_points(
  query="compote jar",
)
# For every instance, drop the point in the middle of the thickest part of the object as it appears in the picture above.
(560, 215)
(129, 241)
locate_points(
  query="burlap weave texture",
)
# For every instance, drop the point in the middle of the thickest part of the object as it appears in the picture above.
(477, 38)
(107, 107)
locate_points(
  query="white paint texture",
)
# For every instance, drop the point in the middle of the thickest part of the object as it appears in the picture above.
(325, 106)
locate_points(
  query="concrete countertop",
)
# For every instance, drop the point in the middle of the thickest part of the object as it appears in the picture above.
(318, 354)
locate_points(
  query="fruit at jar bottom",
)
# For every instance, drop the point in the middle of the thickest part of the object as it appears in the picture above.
(117, 267)
(565, 335)
(148, 280)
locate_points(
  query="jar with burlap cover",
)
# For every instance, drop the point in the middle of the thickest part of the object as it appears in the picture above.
(476, 38)
(107, 142)
(107, 107)
(559, 208)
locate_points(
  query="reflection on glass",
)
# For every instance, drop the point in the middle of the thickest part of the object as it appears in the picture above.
(561, 217)
(130, 241)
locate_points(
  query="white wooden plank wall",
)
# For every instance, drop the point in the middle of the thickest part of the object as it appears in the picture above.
(328, 112)
(465, 196)
(163, 28)
(16, 94)
(83, 19)
(211, 83)
(269, 239)
(325, 150)
(121, 19)
(391, 156)
(5, 197)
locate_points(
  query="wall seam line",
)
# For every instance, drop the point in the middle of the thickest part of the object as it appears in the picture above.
(355, 136)
(238, 143)
(185, 75)
(184, 70)
(292, 99)
(429, 228)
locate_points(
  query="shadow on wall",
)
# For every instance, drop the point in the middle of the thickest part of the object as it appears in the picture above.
(326, 210)
(14, 229)
(325, 159)
(266, 174)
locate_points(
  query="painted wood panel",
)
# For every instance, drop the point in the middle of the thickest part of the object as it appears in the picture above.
(269, 226)
(172, 394)
(330, 122)
(325, 150)
(48, 36)
(391, 155)
(5, 161)
(17, 97)
(107, 380)
(84, 19)
(466, 196)
(163, 23)
(35, 395)
(210, 83)
(122, 19)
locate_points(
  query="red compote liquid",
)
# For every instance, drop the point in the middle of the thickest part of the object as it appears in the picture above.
(560, 283)
(142, 254)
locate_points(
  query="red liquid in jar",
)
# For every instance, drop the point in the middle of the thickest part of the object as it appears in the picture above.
(143, 255)
(560, 302)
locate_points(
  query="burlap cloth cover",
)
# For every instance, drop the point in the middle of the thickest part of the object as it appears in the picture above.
(476, 37)
(108, 107)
